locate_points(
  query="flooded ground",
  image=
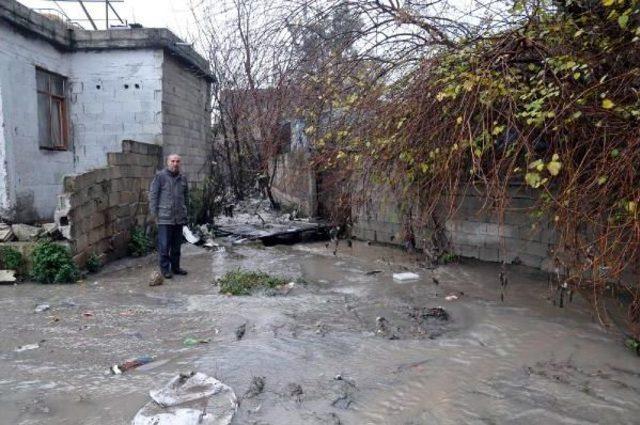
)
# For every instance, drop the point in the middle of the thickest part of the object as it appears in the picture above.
(347, 345)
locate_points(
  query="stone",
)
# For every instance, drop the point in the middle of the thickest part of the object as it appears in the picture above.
(6, 234)
(26, 233)
(7, 276)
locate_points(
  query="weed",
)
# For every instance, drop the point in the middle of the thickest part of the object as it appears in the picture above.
(53, 263)
(243, 282)
(11, 259)
(93, 263)
(139, 244)
(448, 257)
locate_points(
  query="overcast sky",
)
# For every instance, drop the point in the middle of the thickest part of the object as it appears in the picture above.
(172, 14)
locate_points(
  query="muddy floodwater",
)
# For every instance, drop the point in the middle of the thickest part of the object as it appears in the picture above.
(346, 345)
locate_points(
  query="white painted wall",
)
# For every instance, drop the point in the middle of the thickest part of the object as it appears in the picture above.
(115, 95)
(142, 95)
(33, 177)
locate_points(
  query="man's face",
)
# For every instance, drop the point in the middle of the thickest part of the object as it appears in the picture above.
(173, 163)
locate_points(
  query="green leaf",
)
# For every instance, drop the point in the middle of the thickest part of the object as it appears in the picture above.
(602, 180)
(623, 20)
(608, 104)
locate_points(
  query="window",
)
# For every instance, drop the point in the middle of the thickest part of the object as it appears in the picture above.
(52, 110)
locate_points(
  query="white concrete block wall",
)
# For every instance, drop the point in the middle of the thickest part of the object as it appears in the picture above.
(115, 95)
(186, 119)
(30, 187)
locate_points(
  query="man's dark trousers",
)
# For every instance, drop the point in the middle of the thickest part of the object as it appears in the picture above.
(169, 241)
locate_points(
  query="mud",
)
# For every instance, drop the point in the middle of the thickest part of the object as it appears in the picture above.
(523, 360)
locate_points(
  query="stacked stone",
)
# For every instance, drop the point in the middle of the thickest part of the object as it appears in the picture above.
(98, 209)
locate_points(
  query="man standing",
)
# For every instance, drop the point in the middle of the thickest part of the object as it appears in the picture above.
(168, 198)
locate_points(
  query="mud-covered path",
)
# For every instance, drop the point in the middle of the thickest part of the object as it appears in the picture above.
(320, 349)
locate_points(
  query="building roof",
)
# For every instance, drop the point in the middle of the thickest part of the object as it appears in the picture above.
(69, 38)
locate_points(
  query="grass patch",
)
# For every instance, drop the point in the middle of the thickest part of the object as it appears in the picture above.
(53, 264)
(244, 282)
(11, 259)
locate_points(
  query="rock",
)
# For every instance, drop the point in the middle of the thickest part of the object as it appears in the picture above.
(26, 233)
(51, 230)
(156, 279)
(6, 234)
(7, 276)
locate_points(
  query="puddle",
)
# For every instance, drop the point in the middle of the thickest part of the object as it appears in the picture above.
(319, 348)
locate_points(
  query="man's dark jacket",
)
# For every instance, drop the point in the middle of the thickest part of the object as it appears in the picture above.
(168, 198)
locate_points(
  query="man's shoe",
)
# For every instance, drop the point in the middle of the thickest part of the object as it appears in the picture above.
(180, 272)
(167, 275)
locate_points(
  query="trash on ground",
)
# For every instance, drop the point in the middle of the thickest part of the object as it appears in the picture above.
(240, 331)
(88, 314)
(27, 347)
(119, 369)
(372, 272)
(453, 296)
(42, 307)
(211, 244)
(156, 279)
(191, 341)
(189, 236)
(189, 399)
(7, 276)
(405, 276)
(256, 387)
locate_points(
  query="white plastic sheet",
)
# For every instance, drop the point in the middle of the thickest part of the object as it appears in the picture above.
(189, 399)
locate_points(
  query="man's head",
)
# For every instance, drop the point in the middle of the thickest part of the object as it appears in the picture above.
(173, 163)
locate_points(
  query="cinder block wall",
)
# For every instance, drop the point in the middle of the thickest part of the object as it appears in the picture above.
(186, 118)
(294, 182)
(472, 231)
(98, 209)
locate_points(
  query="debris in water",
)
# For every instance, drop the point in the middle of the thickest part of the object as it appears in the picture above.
(371, 272)
(192, 398)
(436, 313)
(156, 279)
(27, 347)
(382, 328)
(42, 307)
(191, 341)
(503, 285)
(405, 276)
(240, 331)
(131, 364)
(189, 236)
(256, 387)
(294, 390)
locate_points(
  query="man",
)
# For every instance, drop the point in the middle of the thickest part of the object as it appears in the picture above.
(168, 198)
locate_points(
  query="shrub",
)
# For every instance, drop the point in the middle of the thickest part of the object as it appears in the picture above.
(139, 244)
(243, 282)
(53, 264)
(11, 259)
(93, 263)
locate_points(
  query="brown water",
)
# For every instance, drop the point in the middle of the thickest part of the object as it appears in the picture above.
(521, 361)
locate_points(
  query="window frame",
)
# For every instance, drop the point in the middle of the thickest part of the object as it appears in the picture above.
(53, 99)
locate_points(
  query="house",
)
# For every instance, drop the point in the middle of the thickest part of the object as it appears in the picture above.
(69, 96)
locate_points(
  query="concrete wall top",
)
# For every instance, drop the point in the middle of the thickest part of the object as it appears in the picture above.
(67, 37)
